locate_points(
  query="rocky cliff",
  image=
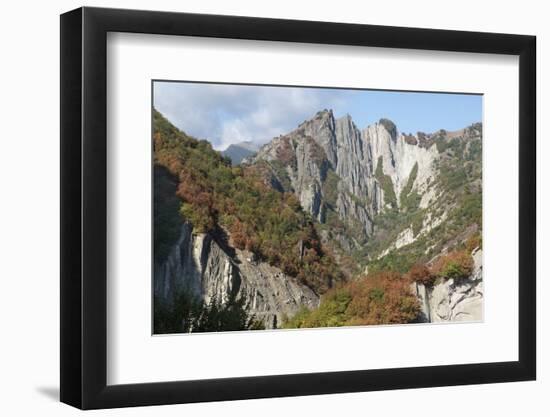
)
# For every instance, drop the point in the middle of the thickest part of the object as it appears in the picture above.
(198, 265)
(386, 197)
(378, 199)
(454, 300)
(334, 167)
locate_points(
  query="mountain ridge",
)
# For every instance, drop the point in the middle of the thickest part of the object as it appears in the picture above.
(377, 200)
(345, 177)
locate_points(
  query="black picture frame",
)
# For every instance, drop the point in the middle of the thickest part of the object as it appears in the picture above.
(84, 207)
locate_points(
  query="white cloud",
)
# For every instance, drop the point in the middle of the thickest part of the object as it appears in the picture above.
(233, 131)
(226, 114)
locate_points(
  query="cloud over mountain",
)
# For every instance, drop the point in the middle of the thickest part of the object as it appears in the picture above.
(226, 114)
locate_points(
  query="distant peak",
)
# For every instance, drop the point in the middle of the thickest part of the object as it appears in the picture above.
(237, 152)
(247, 144)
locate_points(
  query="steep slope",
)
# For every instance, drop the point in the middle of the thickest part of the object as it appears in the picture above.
(396, 156)
(201, 268)
(453, 299)
(439, 208)
(327, 165)
(449, 290)
(377, 190)
(315, 210)
(222, 238)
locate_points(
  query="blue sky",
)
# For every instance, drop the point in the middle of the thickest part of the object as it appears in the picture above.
(229, 113)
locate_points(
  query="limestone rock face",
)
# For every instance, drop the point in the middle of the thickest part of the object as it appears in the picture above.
(330, 164)
(399, 157)
(349, 208)
(403, 239)
(459, 300)
(198, 265)
(181, 271)
(269, 293)
(454, 300)
(327, 165)
(299, 164)
(354, 164)
(346, 179)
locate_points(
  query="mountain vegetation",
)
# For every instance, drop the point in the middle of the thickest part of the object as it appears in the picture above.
(217, 198)
(382, 298)
(188, 314)
(355, 221)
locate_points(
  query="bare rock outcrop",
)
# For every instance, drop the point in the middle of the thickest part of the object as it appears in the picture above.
(330, 164)
(454, 300)
(198, 265)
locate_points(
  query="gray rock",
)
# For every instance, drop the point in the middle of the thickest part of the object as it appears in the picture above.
(316, 147)
(199, 266)
(324, 144)
(330, 165)
(453, 300)
(181, 271)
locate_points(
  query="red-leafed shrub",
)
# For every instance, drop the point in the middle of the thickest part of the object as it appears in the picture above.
(216, 197)
(421, 274)
(380, 298)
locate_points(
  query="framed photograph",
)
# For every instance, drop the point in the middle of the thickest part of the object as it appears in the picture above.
(256, 208)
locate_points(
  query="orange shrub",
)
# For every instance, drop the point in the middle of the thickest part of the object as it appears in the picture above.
(382, 298)
(456, 265)
(421, 274)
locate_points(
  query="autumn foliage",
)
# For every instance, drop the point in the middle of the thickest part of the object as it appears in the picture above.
(421, 274)
(454, 265)
(380, 298)
(383, 297)
(196, 184)
(218, 198)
